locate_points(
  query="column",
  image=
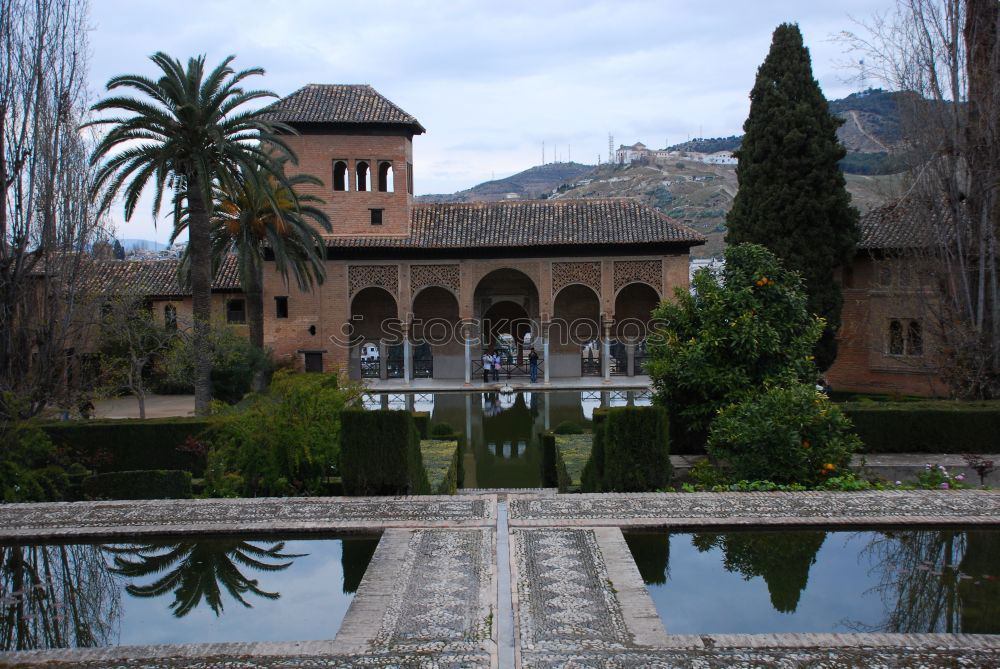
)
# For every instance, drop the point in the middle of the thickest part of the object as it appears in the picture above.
(606, 358)
(407, 355)
(630, 358)
(410, 399)
(545, 356)
(468, 355)
(383, 360)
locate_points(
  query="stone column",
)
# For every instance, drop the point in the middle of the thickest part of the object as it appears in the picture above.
(383, 360)
(410, 402)
(630, 359)
(468, 355)
(606, 358)
(407, 355)
(545, 356)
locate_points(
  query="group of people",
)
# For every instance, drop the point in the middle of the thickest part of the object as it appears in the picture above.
(493, 362)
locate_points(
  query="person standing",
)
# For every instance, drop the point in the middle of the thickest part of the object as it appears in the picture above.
(496, 365)
(487, 366)
(533, 365)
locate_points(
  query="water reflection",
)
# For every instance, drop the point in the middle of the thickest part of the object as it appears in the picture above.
(65, 596)
(196, 570)
(56, 597)
(901, 581)
(501, 430)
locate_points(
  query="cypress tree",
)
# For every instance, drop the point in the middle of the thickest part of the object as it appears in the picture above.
(792, 196)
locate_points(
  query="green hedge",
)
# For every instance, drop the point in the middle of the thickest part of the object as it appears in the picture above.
(143, 484)
(550, 478)
(926, 427)
(593, 472)
(380, 453)
(443, 461)
(130, 444)
(636, 449)
(422, 419)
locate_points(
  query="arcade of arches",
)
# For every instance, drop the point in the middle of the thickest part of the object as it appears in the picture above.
(435, 320)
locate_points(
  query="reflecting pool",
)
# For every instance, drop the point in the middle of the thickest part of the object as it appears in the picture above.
(177, 590)
(906, 581)
(503, 429)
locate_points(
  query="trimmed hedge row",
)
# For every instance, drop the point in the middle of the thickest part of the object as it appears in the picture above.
(926, 427)
(130, 444)
(443, 463)
(380, 453)
(631, 451)
(564, 460)
(422, 420)
(143, 484)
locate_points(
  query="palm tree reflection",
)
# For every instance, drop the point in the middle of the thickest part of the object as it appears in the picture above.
(196, 570)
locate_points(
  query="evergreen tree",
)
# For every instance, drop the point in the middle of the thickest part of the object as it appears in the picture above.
(792, 196)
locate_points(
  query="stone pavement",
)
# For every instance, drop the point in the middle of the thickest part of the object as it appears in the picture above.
(432, 595)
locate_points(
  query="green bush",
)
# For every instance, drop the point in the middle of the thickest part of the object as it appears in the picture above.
(567, 427)
(422, 419)
(592, 479)
(380, 453)
(234, 362)
(28, 468)
(283, 443)
(744, 327)
(130, 444)
(783, 434)
(442, 430)
(142, 484)
(636, 449)
(941, 426)
(442, 459)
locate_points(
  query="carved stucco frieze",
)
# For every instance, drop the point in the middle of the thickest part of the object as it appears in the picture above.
(565, 273)
(446, 276)
(360, 277)
(643, 271)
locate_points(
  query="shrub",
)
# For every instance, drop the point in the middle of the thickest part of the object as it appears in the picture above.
(442, 430)
(934, 426)
(422, 419)
(284, 443)
(784, 434)
(143, 484)
(380, 453)
(234, 362)
(28, 468)
(550, 477)
(745, 326)
(568, 427)
(130, 445)
(593, 472)
(636, 449)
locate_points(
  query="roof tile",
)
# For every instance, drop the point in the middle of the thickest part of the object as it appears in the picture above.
(339, 103)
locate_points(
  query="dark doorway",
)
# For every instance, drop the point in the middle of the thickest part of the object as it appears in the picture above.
(314, 361)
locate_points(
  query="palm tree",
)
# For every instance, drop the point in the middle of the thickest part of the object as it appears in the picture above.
(190, 135)
(263, 215)
(197, 569)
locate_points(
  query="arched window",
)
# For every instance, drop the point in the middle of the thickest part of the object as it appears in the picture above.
(362, 172)
(340, 175)
(895, 338)
(385, 184)
(170, 317)
(914, 339)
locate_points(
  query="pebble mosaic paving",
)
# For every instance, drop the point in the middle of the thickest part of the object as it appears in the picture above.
(429, 596)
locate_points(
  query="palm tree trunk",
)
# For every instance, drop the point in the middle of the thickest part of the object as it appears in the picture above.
(255, 318)
(200, 250)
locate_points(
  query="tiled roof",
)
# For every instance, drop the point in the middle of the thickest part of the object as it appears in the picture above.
(149, 277)
(897, 226)
(339, 103)
(508, 224)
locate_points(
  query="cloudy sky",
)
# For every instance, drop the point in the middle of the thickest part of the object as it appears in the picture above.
(492, 80)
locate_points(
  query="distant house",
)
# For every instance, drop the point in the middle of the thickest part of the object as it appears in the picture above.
(889, 340)
(631, 154)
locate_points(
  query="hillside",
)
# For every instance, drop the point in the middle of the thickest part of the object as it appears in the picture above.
(700, 195)
(529, 184)
(871, 132)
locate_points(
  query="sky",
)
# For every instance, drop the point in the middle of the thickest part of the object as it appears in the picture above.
(492, 81)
